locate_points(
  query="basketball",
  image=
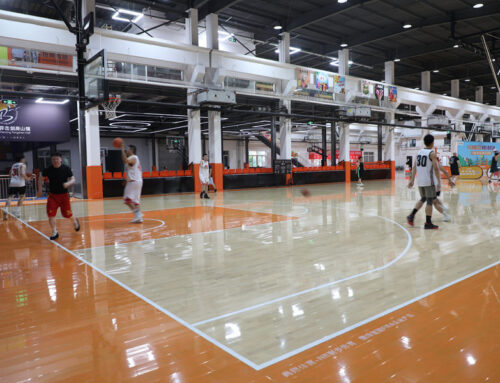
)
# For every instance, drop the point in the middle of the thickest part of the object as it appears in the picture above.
(29, 174)
(305, 192)
(117, 142)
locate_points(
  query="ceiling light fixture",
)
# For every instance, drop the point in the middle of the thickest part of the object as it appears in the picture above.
(138, 15)
(293, 50)
(407, 26)
(278, 27)
(343, 45)
(478, 5)
(397, 60)
(341, 1)
(467, 80)
(435, 71)
(456, 46)
(56, 102)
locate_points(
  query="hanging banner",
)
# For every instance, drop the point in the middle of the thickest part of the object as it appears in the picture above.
(379, 92)
(476, 153)
(393, 94)
(322, 81)
(339, 84)
(366, 88)
(29, 121)
(303, 78)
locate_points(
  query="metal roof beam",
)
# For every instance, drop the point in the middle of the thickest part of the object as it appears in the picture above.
(215, 6)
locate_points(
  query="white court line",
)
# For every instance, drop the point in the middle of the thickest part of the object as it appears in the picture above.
(126, 219)
(147, 300)
(249, 308)
(370, 319)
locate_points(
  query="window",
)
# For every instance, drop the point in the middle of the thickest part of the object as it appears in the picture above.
(257, 159)
(369, 156)
(413, 143)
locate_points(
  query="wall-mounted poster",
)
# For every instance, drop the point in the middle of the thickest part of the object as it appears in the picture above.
(366, 88)
(379, 92)
(30, 121)
(393, 94)
(322, 81)
(339, 84)
(303, 78)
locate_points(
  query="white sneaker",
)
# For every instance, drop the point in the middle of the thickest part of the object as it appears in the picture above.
(16, 213)
(447, 217)
(5, 214)
(137, 219)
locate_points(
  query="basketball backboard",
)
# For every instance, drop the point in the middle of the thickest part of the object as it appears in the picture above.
(96, 82)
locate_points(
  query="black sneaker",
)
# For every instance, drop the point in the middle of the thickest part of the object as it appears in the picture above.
(430, 226)
(54, 237)
(410, 219)
(201, 194)
(77, 225)
(206, 196)
(215, 190)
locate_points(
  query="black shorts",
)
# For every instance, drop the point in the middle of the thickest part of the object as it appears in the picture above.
(438, 193)
(17, 190)
(455, 172)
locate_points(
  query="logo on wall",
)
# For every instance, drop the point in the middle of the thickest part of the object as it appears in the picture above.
(8, 114)
(379, 92)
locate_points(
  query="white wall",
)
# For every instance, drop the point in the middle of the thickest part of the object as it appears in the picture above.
(144, 149)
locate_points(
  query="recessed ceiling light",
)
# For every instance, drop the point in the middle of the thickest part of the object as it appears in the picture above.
(343, 45)
(493, 60)
(278, 27)
(467, 80)
(341, 1)
(57, 102)
(407, 26)
(478, 5)
(417, 88)
(138, 15)
(292, 50)
(493, 87)
(456, 46)
(435, 71)
(397, 60)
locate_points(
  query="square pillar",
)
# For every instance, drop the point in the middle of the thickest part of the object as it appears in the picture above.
(389, 72)
(426, 81)
(215, 146)
(286, 133)
(498, 99)
(344, 62)
(194, 139)
(192, 27)
(455, 88)
(333, 141)
(93, 145)
(345, 148)
(284, 48)
(212, 31)
(479, 94)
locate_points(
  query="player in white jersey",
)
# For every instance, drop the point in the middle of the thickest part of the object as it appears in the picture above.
(427, 171)
(17, 185)
(204, 174)
(133, 188)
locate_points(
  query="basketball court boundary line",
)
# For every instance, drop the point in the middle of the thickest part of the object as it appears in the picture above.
(259, 305)
(147, 300)
(374, 317)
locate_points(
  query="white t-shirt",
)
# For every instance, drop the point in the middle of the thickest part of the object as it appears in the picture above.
(425, 169)
(134, 172)
(16, 178)
(204, 172)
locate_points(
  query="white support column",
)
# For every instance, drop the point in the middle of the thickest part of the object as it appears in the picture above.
(284, 48)
(455, 88)
(212, 22)
(286, 133)
(389, 148)
(479, 94)
(345, 145)
(214, 137)
(192, 27)
(426, 81)
(194, 131)
(389, 72)
(344, 62)
(92, 137)
(498, 99)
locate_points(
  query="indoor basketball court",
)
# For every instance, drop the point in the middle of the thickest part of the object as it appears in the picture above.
(226, 191)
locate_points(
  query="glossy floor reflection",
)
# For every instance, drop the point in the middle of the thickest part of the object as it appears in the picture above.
(254, 286)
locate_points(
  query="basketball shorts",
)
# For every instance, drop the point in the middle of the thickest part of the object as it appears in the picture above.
(427, 191)
(17, 190)
(205, 180)
(455, 172)
(56, 201)
(132, 192)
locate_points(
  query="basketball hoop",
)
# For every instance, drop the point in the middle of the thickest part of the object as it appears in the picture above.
(110, 106)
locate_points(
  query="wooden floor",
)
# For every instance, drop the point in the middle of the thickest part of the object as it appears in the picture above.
(260, 285)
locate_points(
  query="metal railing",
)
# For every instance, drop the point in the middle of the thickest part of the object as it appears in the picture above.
(31, 187)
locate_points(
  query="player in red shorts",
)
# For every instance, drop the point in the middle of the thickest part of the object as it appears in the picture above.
(60, 179)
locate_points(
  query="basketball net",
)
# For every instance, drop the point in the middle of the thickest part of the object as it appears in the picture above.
(110, 107)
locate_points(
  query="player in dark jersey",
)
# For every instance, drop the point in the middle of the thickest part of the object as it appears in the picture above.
(361, 170)
(494, 166)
